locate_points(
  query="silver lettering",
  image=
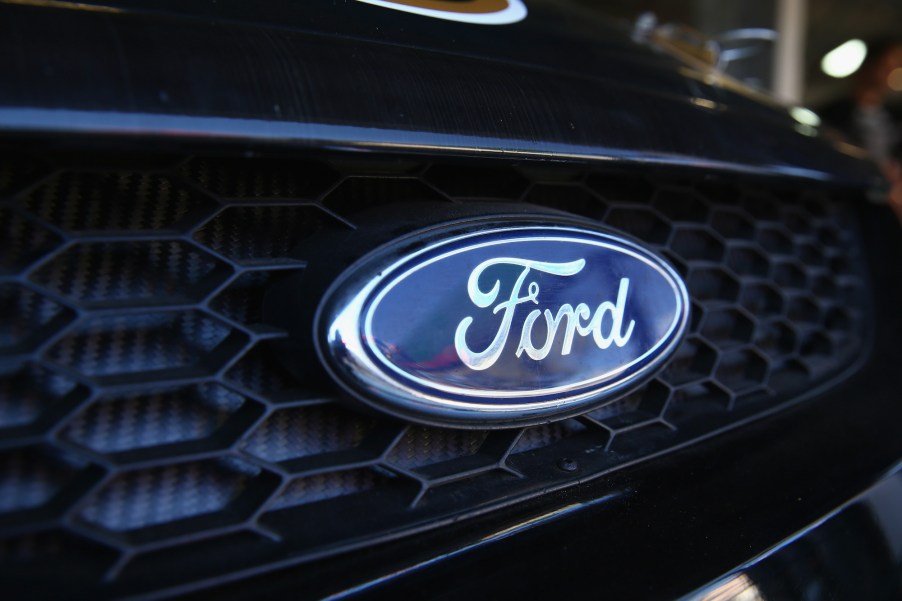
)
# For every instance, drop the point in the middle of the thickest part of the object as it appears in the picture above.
(567, 317)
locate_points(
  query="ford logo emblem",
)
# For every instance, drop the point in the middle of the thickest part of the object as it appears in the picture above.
(501, 326)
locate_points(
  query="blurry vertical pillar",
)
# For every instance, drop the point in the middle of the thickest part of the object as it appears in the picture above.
(789, 54)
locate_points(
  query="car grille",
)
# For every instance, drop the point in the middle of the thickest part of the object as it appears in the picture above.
(150, 437)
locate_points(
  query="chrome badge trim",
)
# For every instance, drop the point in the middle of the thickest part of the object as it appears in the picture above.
(368, 358)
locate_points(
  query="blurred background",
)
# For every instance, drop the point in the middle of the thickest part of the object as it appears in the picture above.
(809, 29)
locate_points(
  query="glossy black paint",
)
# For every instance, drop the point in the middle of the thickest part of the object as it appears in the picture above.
(156, 74)
(560, 85)
(854, 553)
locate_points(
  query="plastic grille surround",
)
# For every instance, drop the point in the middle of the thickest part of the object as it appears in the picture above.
(149, 438)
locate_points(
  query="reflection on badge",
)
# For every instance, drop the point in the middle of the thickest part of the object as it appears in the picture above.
(463, 325)
(482, 12)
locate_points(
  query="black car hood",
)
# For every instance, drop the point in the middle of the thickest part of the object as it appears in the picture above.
(562, 83)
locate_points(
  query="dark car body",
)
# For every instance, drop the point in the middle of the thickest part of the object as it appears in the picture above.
(164, 167)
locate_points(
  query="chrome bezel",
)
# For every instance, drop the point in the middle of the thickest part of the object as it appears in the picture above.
(350, 358)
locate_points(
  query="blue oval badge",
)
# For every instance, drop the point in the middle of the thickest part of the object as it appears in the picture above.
(501, 327)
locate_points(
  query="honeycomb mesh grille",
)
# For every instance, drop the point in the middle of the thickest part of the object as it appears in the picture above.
(143, 410)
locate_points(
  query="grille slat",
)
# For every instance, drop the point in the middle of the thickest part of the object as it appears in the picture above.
(142, 395)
